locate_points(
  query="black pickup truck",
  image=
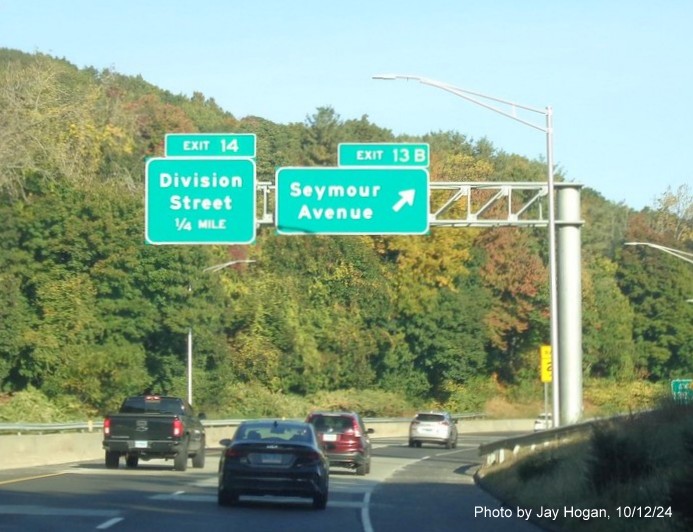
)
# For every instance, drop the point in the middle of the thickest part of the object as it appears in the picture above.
(154, 426)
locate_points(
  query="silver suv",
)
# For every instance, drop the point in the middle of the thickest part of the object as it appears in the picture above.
(433, 427)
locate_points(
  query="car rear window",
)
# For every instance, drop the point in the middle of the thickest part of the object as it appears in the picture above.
(152, 405)
(277, 432)
(436, 418)
(332, 423)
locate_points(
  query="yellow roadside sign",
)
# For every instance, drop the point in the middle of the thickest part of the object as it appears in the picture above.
(545, 364)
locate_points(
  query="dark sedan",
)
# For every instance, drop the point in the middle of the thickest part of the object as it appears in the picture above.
(273, 457)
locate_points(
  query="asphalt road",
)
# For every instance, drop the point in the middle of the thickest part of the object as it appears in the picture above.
(429, 489)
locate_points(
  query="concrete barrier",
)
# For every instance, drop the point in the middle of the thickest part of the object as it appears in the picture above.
(29, 450)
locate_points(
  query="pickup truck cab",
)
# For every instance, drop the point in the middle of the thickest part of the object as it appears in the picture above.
(154, 426)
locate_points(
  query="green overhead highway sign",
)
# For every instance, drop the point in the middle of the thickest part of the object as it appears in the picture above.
(348, 201)
(382, 154)
(200, 201)
(210, 145)
(682, 389)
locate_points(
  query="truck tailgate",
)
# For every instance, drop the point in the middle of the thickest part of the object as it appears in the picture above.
(142, 427)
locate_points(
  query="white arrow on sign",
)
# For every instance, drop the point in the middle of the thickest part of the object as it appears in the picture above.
(405, 197)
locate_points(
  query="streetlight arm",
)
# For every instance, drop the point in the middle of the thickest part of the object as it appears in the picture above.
(473, 97)
(683, 255)
(218, 267)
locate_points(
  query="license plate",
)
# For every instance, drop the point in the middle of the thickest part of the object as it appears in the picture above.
(329, 437)
(272, 459)
(140, 444)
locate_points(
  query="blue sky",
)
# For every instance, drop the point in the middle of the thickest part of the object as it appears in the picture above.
(617, 73)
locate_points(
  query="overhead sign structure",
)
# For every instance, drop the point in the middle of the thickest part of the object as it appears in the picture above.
(200, 201)
(383, 154)
(210, 145)
(350, 201)
(546, 364)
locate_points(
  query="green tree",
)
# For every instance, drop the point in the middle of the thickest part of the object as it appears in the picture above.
(605, 225)
(425, 275)
(56, 125)
(674, 214)
(17, 321)
(658, 286)
(607, 330)
(277, 145)
(363, 130)
(517, 278)
(321, 138)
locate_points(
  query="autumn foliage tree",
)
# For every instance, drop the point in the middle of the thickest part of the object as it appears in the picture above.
(90, 313)
(518, 280)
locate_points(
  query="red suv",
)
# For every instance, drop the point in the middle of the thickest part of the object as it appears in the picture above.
(344, 438)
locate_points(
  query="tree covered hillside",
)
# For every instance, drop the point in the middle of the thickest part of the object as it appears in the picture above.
(90, 313)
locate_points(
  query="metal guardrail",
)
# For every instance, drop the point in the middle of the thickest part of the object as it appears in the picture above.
(495, 452)
(91, 426)
(46, 428)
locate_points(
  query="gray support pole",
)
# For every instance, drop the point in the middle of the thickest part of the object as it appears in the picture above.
(557, 420)
(570, 302)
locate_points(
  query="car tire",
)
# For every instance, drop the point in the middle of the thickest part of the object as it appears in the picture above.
(227, 498)
(320, 500)
(448, 444)
(362, 469)
(180, 461)
(417, 444)
(131, 460)
(198, 460)
(411, 443)
(112, 459)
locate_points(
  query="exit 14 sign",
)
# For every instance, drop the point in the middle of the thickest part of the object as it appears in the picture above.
(348, 201)
(210, 145)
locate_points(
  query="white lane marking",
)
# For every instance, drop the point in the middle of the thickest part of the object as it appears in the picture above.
(109, 523)
(182, 496)
(366, 513)
(210, 482)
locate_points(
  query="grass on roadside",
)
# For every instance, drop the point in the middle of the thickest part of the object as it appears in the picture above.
(630, 467)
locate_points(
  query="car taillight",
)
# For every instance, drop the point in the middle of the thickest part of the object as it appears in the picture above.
(446, 423)
(414, 423)
(177, 427)
(307, 458)
(107, 427)
(233, 453)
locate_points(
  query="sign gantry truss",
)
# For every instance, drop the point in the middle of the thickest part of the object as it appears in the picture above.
(462, 204)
